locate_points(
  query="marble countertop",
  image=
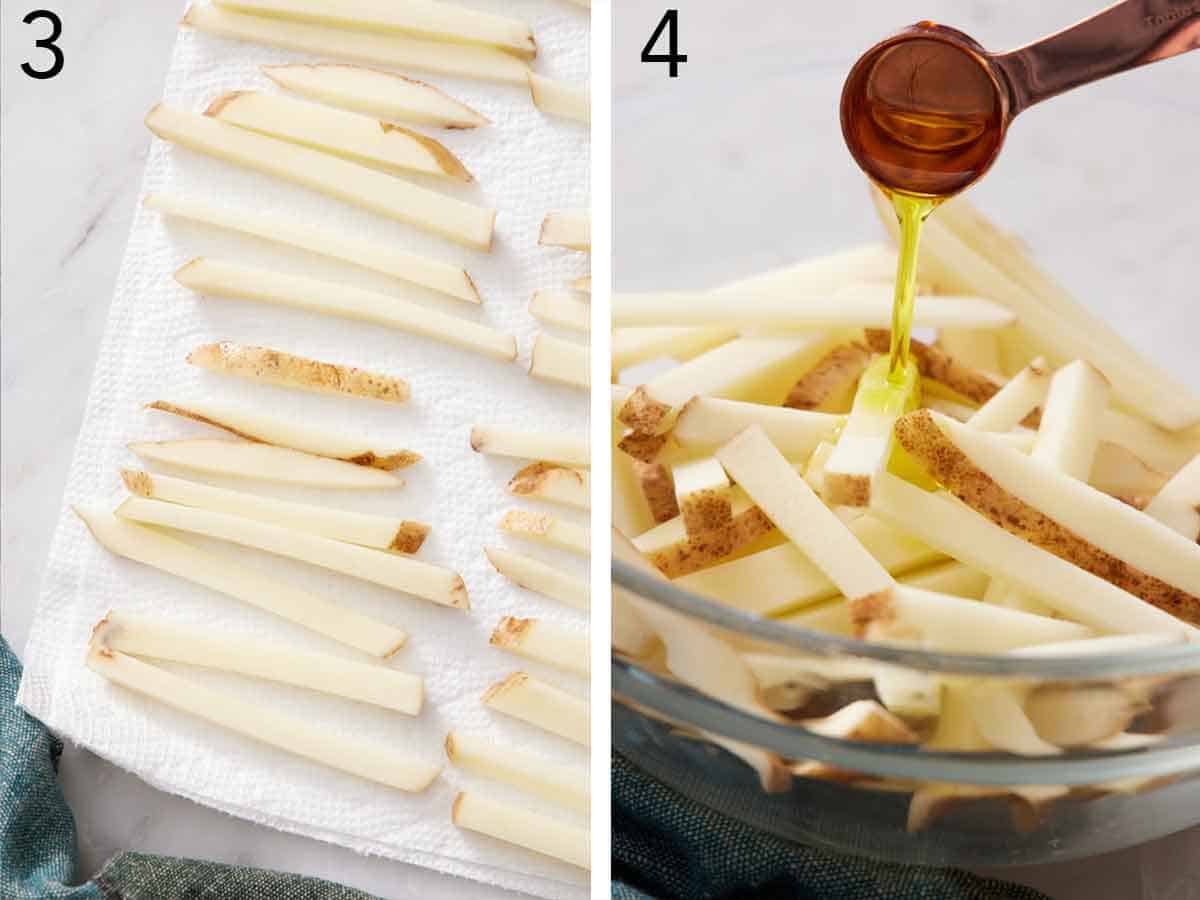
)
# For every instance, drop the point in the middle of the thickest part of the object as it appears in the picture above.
(73, 152)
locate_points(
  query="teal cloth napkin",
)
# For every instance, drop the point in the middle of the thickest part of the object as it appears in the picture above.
(667, 847)
(38, 854)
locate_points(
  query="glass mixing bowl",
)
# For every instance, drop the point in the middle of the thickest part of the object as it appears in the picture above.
(903, 801)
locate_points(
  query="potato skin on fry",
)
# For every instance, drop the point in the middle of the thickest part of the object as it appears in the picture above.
(288, 370)
(920, 435)
(934, 363)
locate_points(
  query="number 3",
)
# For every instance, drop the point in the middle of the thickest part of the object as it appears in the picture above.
(46, 43)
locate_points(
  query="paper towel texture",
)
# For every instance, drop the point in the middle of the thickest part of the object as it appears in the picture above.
(525, 165)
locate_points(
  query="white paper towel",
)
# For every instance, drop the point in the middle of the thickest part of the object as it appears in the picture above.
(525, 164)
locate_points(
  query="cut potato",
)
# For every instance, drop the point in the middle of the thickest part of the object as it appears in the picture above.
(139, 635)
(558, 98)
(562, 309)
(358, 138)
(313, 741)
(676, 553)
(553, 484)
(1002, 722)
(554, 447)
(976, 258)
(378, 257)
(948, 624)
(703, 495)
(376, 191)
(631, 346)
(563, 362)
(940, 369)
(857, 306)
(154, 548)
(836, 372)
(391, 570)
(542, 578)
(583, 285)
(547, 529)
(1177, 505)
(284, 369)
(226, 279)
(792, 506)
(264, 428)
(1078, 715)
(384, 95)
(424, 18)
(950, 578)
(393, 50)
(1110, 645)
(957, 530)
(978, 349)
(630, 635)
(759, 368)
(865, 443)
(1120, 474)
(658, 489)
(706, 423)
(542, 705)
(782, 579)
(1162, 450)
(571, 229)
(543, 642)
(263, 462)
(565, 785)
(832, 617)
(631, 513)
(1069, 431)
(513, 823)
(1016, 401)
(1060, 514)
(380, 532)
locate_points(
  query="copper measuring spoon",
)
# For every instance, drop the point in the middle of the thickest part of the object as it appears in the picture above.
(926, 110)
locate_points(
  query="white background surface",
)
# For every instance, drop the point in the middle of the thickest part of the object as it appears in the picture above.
(114, 73)
(738, 165)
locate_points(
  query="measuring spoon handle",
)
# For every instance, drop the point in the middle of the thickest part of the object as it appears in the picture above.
(1124, 36)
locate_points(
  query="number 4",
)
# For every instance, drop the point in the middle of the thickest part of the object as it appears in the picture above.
(670, 22)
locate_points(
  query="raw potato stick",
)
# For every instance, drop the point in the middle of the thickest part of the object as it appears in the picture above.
(284, 369)
(703, 496)
(424, 18)
(861, 306)
(939, 369)
(553, 483)
(377, 257)
(550, 446)
(558, 98)
(950, 578)
(263, 462)
(313, 741)
(563, 784)
(563, 309)
(1162, 450)
(1016, 401)
(384, 95)
(830, 378)
(380, 532)
(264, 428)
(957, 530)
(570, 228)
(795, 510)
(535, 575)
(349, 135)
(378, 192)
(706, 423)
(383, 686)
(977, 349)
(560, 361)
(517, 825)
(542, 705)
(1065, 516)
(226, 279)
(391, 570)
(658, 489)
(759, 368)
(546, 529)
(392, 50)
(1069, 432)
(543, 642)
(631, 346)
(156, 549)
(1177, 504)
